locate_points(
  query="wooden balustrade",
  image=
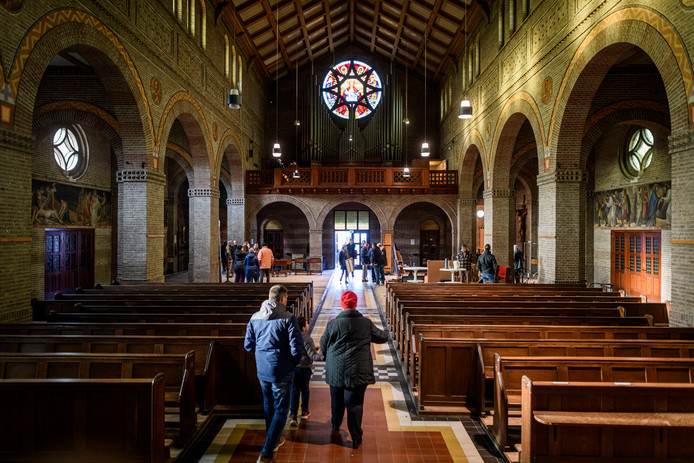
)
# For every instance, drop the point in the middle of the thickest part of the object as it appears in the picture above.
(385, 180)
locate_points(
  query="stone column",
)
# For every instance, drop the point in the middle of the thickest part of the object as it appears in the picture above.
(561, 227)
(467, 222)
(140, 225)
(236, 219)
(204, 235)
(499, 214)
(315, 243)
(16, 229)
(682, 244)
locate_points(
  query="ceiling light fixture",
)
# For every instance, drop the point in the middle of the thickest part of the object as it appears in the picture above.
(465, 110)
(276, 150)
(425, 152)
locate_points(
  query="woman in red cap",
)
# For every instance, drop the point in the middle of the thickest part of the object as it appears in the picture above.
(346, 344)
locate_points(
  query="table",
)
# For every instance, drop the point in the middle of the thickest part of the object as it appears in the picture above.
(414, 271)
(453, 270)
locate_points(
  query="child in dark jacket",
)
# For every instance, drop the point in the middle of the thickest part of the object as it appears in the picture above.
(302, 376)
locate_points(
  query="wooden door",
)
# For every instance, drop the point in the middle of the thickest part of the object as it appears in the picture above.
(275, 241)
(69, 260)
(636, 262)
(429, 241)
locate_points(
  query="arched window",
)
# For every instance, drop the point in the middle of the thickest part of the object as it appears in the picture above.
(233, 66)
(239, 76)
(639, 152)
(70, 150)
(226, 56)
(179, 9)
(191, 16)
(203, 24)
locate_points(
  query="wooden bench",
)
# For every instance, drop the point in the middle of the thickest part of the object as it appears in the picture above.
(124, 329)
(606, 422)
(224, 367)
(178, 370)
(134, 317)
(453, 372)
(509, 372)
(80, 420)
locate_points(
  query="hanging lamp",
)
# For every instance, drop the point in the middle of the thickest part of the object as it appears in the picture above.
(406, 171)
(276, 149)
(425, 152)
(297, 122)
(406, 120)
(465, 110)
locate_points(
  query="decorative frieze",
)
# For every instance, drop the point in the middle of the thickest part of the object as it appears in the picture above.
(499, 193)
(236, 201)
(140, 175)
(15, 141)
(203, 192)
(562, 176)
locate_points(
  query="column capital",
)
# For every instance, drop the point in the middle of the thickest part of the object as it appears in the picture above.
(140, 176)
(236, 201)
(203, 192)
(16, 141)
(467, 201)
(562, 176)
(498, 193)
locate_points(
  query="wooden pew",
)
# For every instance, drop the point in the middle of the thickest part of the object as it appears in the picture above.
(148, 318)
(178, 370)
(453, 372)
(125, 329)
(606, 422)
(509, 371)
(83, 420)
(218, 357)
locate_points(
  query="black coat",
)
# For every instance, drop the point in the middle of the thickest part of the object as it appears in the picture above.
(343, 260)
(346, 344)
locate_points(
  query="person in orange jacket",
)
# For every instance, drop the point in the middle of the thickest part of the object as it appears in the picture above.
(266, 259)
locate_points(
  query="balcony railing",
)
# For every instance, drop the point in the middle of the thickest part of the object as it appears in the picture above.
(384, 180)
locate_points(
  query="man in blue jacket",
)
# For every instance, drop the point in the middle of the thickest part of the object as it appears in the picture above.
(274, 336)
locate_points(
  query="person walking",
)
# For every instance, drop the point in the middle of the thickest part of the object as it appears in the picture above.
(302, 377)
(343, 259)
(225, 258)
(266, 258)
(251, 266)
(486, 265)
(239, 264)
(379, 260)
(352, 253)
(465, 262)
(346, 344)
(273, 335)
(365, 262)
(517, 263)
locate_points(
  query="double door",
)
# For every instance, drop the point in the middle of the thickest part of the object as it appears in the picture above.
(636, 263)
(69, 260)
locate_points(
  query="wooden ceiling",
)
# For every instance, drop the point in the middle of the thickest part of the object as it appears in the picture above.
(395, 29)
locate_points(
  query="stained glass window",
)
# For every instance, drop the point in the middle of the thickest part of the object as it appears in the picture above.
(69, 150)
(639, 153)
(352, 85)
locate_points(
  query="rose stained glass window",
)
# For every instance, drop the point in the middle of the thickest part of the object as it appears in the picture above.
(352, 85)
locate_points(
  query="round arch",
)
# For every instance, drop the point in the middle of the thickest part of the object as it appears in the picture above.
(330, 232)
(293, 235)
(417, 243)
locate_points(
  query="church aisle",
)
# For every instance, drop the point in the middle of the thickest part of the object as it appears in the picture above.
(390, 434)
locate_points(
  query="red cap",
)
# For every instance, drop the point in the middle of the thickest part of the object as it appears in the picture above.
(349, 300)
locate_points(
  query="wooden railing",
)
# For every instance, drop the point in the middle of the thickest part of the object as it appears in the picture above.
(351, 180)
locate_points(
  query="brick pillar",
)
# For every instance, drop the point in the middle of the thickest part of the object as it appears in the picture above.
(236, 219)
(682, 248)
(204, 235)
(15, 226)
(315, 243)
(467, 222)
(141, 225)
(499, 214)
(561, 228)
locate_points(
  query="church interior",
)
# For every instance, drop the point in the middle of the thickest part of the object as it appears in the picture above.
(150, 148)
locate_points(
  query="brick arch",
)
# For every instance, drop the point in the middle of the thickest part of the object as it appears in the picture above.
(230, 147)
(473, 148)
(68, 28)
(404, 203)
(183, 107)
(637, 26)
(265, 200)
(266, 214)
(45, 117)
(182, 158)
(519, 108)
(375, 207)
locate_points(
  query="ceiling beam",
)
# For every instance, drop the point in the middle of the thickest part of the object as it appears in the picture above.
(401, 23)
(276, 30)
(302, 25)
(351, 20)
(329, 24)
(377, 8)
(486, 9)
(427, 30)
(453, 43)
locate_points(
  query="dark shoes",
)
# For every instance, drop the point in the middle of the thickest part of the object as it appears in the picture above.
(335, 436)
(356, 442)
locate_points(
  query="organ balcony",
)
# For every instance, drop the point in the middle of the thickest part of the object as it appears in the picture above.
(351, 180)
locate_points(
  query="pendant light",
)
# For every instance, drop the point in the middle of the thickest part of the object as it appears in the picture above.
(406, 121)
(465, 110)
(406, 171)
(276, 150)
(297, 122)
(425, 152)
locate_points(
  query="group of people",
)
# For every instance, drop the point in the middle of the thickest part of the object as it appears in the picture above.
(371, 256)
(486, 264)
(248, 263)
(285, 352)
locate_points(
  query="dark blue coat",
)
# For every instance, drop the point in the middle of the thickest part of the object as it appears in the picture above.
(275, 337)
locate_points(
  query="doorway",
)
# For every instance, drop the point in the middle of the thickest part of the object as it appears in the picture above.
(69, 260)
(342, 237)
(274, 239)
(636, 263)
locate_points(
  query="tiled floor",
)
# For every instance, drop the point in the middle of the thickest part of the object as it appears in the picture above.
(391, 432)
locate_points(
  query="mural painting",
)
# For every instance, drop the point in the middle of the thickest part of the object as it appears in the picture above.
(58, 204)
(634, 206)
